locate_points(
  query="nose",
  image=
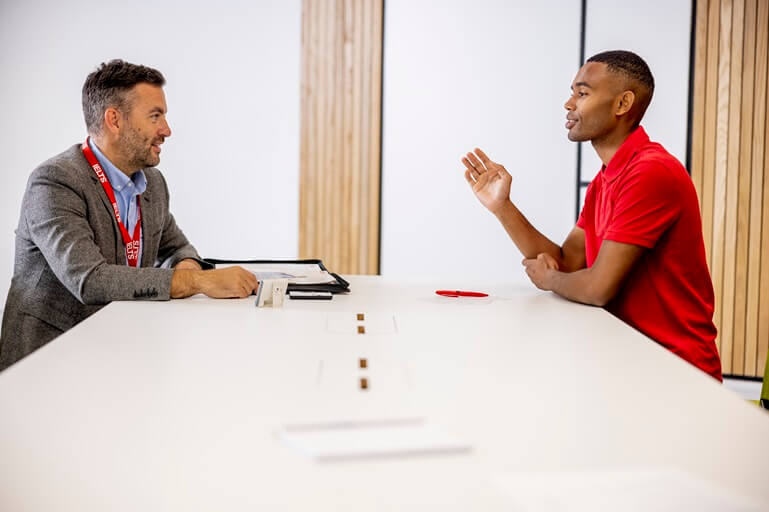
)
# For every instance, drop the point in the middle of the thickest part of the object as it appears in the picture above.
(569, 105)
(165, 129)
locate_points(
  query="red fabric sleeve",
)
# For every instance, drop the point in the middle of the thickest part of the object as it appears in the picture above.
(646, 206)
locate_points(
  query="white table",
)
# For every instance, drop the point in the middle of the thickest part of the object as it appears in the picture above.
(181, 411)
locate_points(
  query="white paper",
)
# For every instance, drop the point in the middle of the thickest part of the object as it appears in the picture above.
(305, 273)
(384, 438)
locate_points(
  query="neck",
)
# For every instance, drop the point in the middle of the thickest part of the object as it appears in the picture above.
(113, 153)
(608, 145)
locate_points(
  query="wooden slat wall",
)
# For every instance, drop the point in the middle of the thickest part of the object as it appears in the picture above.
(730, 169)
(340, 133)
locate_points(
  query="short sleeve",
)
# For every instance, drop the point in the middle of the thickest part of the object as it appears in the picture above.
(646, 204)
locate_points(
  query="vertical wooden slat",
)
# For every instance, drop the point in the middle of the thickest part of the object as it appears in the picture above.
(758, 86)
(375, 134)
(698, 115)
(730, 170)
(340, 102)
(711, 101)
(740, 364)
(763, 328)
(347, 130)
(356, 142)
(732, 184)
(719, 182)
(365, 148)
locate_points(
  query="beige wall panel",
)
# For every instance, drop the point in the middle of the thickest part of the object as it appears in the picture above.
(340, 141)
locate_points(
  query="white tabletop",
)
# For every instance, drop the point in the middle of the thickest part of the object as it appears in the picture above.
(178, 405)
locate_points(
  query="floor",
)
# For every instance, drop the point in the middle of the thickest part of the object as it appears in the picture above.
(747, 389)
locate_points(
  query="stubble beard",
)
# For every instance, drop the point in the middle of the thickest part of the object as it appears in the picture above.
(138, 150)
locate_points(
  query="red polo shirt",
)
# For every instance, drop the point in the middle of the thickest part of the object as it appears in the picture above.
(645, 197)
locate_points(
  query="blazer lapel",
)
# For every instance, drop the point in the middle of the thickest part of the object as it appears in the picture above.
(119, 247)
(151, 227)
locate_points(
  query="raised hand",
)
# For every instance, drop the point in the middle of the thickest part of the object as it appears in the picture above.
(489, 180)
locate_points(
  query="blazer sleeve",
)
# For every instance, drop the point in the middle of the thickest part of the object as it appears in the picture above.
(174, 246)
(57, 219)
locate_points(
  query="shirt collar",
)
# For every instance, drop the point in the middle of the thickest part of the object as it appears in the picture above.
(624, 154)
(117, 178)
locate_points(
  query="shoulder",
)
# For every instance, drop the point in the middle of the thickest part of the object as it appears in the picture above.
(155, 179)
(652, 167)
(68, 166)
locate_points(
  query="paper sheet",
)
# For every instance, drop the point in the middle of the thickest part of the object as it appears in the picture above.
(371, 439)
(305, 273)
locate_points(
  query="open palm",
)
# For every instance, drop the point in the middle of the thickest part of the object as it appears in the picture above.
(489, 180)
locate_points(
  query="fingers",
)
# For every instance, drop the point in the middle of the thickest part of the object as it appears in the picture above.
(477, 165)
(248, 282)
(471, 171)
(485, 159)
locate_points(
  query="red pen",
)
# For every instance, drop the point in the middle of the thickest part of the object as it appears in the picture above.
(459, 293)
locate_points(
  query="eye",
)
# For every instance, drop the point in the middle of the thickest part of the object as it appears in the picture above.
(581, 94)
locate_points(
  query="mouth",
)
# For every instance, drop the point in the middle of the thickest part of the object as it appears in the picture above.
(156, 146)
(570, 123)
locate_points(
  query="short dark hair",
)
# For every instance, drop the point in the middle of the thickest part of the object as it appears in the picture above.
(628, 64)
(632, 67)
(108, 87)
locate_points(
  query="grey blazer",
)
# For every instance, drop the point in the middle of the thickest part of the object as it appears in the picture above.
(70, 259)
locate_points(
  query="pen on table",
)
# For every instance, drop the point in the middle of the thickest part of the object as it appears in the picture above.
(460, 293)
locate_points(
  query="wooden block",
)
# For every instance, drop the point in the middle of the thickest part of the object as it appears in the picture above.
(361, 329)
(361, 317)
(363, 363)
(363, 383)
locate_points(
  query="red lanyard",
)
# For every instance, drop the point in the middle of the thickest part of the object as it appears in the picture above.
(131, 244)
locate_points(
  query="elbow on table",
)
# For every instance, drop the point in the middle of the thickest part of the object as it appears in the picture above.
(601, 295)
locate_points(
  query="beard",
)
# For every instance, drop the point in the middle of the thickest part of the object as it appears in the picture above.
(137, 149)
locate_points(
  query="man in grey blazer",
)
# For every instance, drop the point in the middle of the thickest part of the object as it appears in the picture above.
(74, 249)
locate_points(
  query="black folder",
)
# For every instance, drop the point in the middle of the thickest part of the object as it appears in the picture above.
(340, 286)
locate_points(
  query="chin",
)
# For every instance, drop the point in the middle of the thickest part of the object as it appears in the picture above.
(576, 137)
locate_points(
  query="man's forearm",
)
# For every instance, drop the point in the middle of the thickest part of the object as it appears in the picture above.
(580, 286)
(525, 236)
(184, 283)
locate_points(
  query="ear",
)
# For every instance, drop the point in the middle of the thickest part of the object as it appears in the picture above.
(625, 103)
(113, 121)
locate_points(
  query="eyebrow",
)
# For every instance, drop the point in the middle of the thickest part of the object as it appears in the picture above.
(157, 109)
(581, 84)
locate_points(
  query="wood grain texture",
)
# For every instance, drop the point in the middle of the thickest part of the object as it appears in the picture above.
(730, 170)
(747, 79)
(340, 137)
(732, 187)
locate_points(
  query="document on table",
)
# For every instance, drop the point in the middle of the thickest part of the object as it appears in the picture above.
(371, 439)
(301, 273)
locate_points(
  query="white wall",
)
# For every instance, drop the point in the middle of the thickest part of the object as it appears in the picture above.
(233, 96)
(496, 73)
(459, 74)
(658, 31)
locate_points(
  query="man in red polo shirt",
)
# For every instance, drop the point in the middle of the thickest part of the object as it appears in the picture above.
(637, 248)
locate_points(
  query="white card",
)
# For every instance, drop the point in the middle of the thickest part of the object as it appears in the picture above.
(371, 439)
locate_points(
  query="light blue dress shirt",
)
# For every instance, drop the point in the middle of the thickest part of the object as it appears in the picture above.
(126, 189)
